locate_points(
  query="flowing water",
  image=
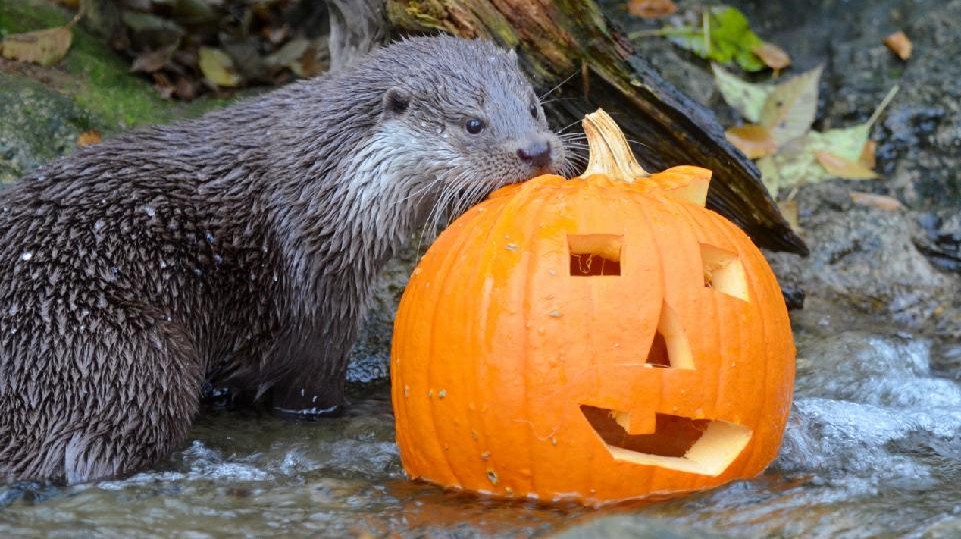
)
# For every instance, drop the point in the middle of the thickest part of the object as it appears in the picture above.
(873, 448)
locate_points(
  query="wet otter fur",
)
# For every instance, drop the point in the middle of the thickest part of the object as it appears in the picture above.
(238, 248)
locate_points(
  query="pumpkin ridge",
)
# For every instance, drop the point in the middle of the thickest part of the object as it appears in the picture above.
(532, 271)
(706, 231)
(755, 460)
(500, 219)
(748, 460)
(450, 254)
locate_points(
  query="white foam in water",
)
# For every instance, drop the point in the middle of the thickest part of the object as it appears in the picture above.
(860, 398)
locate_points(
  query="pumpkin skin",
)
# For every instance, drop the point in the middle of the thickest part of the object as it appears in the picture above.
(522, 366)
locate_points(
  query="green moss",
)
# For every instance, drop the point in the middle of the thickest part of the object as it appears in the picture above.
(98, 79)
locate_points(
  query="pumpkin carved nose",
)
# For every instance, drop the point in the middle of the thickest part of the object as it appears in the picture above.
(537, 153)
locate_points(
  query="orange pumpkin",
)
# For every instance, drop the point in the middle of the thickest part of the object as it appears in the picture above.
(601, 338)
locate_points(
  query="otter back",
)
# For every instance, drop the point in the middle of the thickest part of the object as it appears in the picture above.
(238, 249)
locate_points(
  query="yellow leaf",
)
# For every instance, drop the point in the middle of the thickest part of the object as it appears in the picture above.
(88, 137)
(867, 157)
(44, 47)
(772, 55)
(218, 67)
(844, 168)
(789, 110)
(651, 9)
(754, 140)
(880, 202)
(789, 210)
(899, 44)
(746, 97)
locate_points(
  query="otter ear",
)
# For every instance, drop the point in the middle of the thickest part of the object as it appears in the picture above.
(396, 101)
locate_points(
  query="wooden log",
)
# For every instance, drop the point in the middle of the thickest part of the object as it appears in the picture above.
(556, 39)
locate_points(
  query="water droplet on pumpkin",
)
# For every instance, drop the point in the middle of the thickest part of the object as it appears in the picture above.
(406, 391)
(554, 314)
(442, 393)
(511, 246)
(430, 393)
(492, 476)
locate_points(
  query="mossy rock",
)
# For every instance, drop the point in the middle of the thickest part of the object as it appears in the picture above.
(44, 109)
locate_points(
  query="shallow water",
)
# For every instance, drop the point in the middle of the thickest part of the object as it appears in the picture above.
(873, 448)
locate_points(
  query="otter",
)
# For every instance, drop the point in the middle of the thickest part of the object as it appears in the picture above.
(237, 249)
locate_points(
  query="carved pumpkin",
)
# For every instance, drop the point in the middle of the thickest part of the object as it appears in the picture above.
(600, 338)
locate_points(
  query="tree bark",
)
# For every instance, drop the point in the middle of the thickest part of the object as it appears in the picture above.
(569, 48)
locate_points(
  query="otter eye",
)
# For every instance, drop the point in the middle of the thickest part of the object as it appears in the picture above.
(474, 126)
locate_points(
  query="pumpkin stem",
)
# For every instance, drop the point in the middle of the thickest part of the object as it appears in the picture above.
(610, 153)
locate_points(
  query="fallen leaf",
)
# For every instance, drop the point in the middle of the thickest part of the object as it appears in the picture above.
(44, 47)
(754, 140)
(789, 211)
(651, 9)
(150, 61)
(88, 137)
(881, 202)
(724, 36)
(772, 55)
(218, 67)
(789, 110)
(867, 157)
(899, 44)
(844, 168)
(746, 97)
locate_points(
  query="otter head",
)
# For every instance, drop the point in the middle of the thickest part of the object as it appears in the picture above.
(466, 105)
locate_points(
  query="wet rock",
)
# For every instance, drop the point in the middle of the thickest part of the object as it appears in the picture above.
(370, 356)
(865, 257)
(25, 142)
(630, 527)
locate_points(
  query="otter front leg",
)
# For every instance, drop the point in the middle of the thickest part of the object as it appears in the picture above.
(311, 392)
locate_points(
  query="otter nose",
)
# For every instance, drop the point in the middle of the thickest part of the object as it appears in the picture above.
(536, 153)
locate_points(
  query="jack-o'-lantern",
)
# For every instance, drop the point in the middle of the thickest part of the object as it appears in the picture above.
(600, 338)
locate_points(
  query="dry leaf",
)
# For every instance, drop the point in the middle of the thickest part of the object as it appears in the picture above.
(44, 47)
(88, 137)
(788, 209)
(651, 9)
(772, 55)
(867, 157)
(789, 110)
(218, 67)
(754, 140)
(746, 97)
(880, 202)
(899, 44)
(844, 168)
(150, 61)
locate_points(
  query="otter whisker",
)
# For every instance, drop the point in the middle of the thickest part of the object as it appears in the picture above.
(558, 85)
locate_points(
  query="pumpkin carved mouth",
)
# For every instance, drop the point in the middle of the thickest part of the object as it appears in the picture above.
(701, 446)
